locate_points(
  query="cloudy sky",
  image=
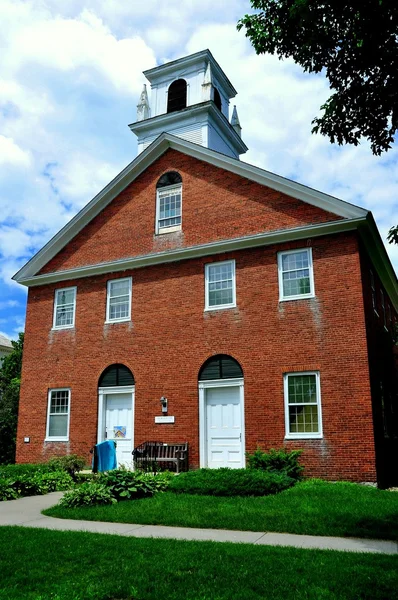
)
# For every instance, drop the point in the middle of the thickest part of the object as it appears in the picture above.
(70, 79)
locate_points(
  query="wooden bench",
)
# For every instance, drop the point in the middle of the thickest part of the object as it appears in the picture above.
(151, 454)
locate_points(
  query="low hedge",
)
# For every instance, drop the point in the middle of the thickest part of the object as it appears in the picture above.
(280, 461)
(34, 484)
(230, 482)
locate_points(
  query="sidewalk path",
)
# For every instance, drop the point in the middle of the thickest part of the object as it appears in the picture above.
(26, 512)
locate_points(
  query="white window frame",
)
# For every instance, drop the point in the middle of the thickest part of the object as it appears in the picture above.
(373, 293)
(302, 435)
(168, 188)
(207, 270)
(57, 438)
(311, 293)
(108, 300)
(59, 291)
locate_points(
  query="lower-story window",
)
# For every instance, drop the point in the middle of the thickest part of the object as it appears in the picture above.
(58, 415)
(303, 405)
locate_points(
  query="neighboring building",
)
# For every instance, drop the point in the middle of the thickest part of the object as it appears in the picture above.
(198, 298)
(5, 347)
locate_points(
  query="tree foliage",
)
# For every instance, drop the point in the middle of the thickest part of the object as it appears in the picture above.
(10, 379)
(355, 43)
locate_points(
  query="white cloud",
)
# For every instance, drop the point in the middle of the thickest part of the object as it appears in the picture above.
(11, 154)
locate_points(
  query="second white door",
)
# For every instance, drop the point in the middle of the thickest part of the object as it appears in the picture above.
(224, 427)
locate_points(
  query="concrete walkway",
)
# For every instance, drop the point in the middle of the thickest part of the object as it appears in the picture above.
(26, 512)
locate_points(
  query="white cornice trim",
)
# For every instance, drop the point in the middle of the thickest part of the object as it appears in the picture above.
(219, 247)
(150, 155)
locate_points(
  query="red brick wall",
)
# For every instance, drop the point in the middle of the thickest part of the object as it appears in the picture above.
(170, 337)
(215, 205)
(383, 369)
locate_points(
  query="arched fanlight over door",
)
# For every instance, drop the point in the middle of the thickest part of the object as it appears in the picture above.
(177, 96)
(116, 375)
(220, 366)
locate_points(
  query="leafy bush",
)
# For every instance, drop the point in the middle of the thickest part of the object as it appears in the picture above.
(71, 463)
(125, 485)
(88, 494)
(24, 469)
(230, 482)
(34, 484)
(281, 461)
(7, 490)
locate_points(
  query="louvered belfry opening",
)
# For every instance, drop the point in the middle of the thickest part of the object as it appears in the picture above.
(177, 96)
(116, 375)
(217, 98)
(220, 366)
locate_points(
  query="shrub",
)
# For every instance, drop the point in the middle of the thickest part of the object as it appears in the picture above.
(71, 463)
(88, 494)
(230, 482)
(25, 469)
(125, 485)
(42, 483)
(7, 490)
(281, 461)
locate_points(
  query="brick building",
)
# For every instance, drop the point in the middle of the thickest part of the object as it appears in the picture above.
(199, 298)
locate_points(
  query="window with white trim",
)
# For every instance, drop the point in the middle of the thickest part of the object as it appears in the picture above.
(64, 308)
(296, 278)
(303, 405)
(169, 203)
(373, 292)
(220, 287)
(383, 308)
(58, 415)
(118, 300)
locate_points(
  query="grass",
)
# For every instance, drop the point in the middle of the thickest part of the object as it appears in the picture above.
(38, 564)
(311, 507)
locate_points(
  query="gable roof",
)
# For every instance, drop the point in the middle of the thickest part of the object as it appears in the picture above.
(352, 217)
(5, 343)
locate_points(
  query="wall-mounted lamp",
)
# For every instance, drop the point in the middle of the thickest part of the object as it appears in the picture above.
(163, 402)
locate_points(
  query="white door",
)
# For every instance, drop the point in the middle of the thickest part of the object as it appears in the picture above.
(119, 425)
(224, 427)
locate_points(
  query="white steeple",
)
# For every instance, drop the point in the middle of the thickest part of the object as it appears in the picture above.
(190, 99)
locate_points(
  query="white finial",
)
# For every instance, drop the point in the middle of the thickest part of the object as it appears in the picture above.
(143, 109)
(235, 122)
(207, 88)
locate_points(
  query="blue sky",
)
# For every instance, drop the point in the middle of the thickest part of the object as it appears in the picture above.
(70, 79)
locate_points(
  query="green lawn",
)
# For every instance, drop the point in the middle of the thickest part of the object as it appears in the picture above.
(311, 507)
(36, 564)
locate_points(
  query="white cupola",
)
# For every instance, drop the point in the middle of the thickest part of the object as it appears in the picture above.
(190, 99)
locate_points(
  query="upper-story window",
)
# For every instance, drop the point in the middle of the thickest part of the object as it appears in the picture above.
(296, 277)
(169, 203)
(177, 95)
(217, 98)
(64, 308)
(373, 292)
(118, 300)
(220, 285)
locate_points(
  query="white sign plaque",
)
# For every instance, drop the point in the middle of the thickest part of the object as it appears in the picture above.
(164, 419)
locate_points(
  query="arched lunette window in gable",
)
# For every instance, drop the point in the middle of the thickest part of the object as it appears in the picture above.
(169, 202)
(177, 96)
(220, 366)
(116, 375)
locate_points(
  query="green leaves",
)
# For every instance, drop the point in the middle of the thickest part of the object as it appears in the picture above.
(87, 494)
(355, 44)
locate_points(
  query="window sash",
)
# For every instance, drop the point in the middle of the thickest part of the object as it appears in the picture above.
(64, 308)
(119, 300)
(296, 278)
(58, 412)
(220, 285)
(169, 207)
(302, 405)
